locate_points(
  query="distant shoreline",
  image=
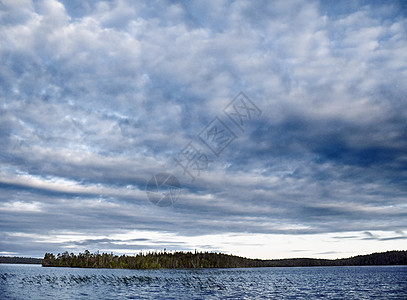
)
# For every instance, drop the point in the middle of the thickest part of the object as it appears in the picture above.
(20, 260)
(197, 260)
(188, 260)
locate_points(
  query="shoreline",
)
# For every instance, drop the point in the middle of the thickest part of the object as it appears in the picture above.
(201, 260)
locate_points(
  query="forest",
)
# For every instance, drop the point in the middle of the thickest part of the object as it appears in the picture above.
(178, 260)
(19, 260)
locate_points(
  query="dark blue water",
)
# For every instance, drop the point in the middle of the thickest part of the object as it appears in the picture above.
(36, 282)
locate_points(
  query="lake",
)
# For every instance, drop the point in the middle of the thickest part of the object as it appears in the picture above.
(36, 282)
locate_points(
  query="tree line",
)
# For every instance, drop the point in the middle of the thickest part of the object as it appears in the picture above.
(150, 260)
(19, 260)
(176, 260)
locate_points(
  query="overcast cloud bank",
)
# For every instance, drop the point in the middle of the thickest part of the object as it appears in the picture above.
(96, 96)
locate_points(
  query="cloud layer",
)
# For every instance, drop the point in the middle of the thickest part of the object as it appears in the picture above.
(98, 96)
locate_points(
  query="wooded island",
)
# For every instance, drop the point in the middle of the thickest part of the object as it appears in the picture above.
(180, 260)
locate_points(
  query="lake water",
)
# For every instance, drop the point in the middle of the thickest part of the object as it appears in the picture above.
(36, 282)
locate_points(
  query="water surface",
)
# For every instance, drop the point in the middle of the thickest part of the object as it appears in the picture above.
(36, 282)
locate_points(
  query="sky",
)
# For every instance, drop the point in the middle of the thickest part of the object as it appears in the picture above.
(281, 124)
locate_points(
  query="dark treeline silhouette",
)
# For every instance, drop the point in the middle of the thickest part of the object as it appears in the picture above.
(19, 260)
(175, 260)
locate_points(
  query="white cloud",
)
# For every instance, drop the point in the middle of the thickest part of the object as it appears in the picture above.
(19, 206)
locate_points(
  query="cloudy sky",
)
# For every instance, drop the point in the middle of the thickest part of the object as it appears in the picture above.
(96, 97)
